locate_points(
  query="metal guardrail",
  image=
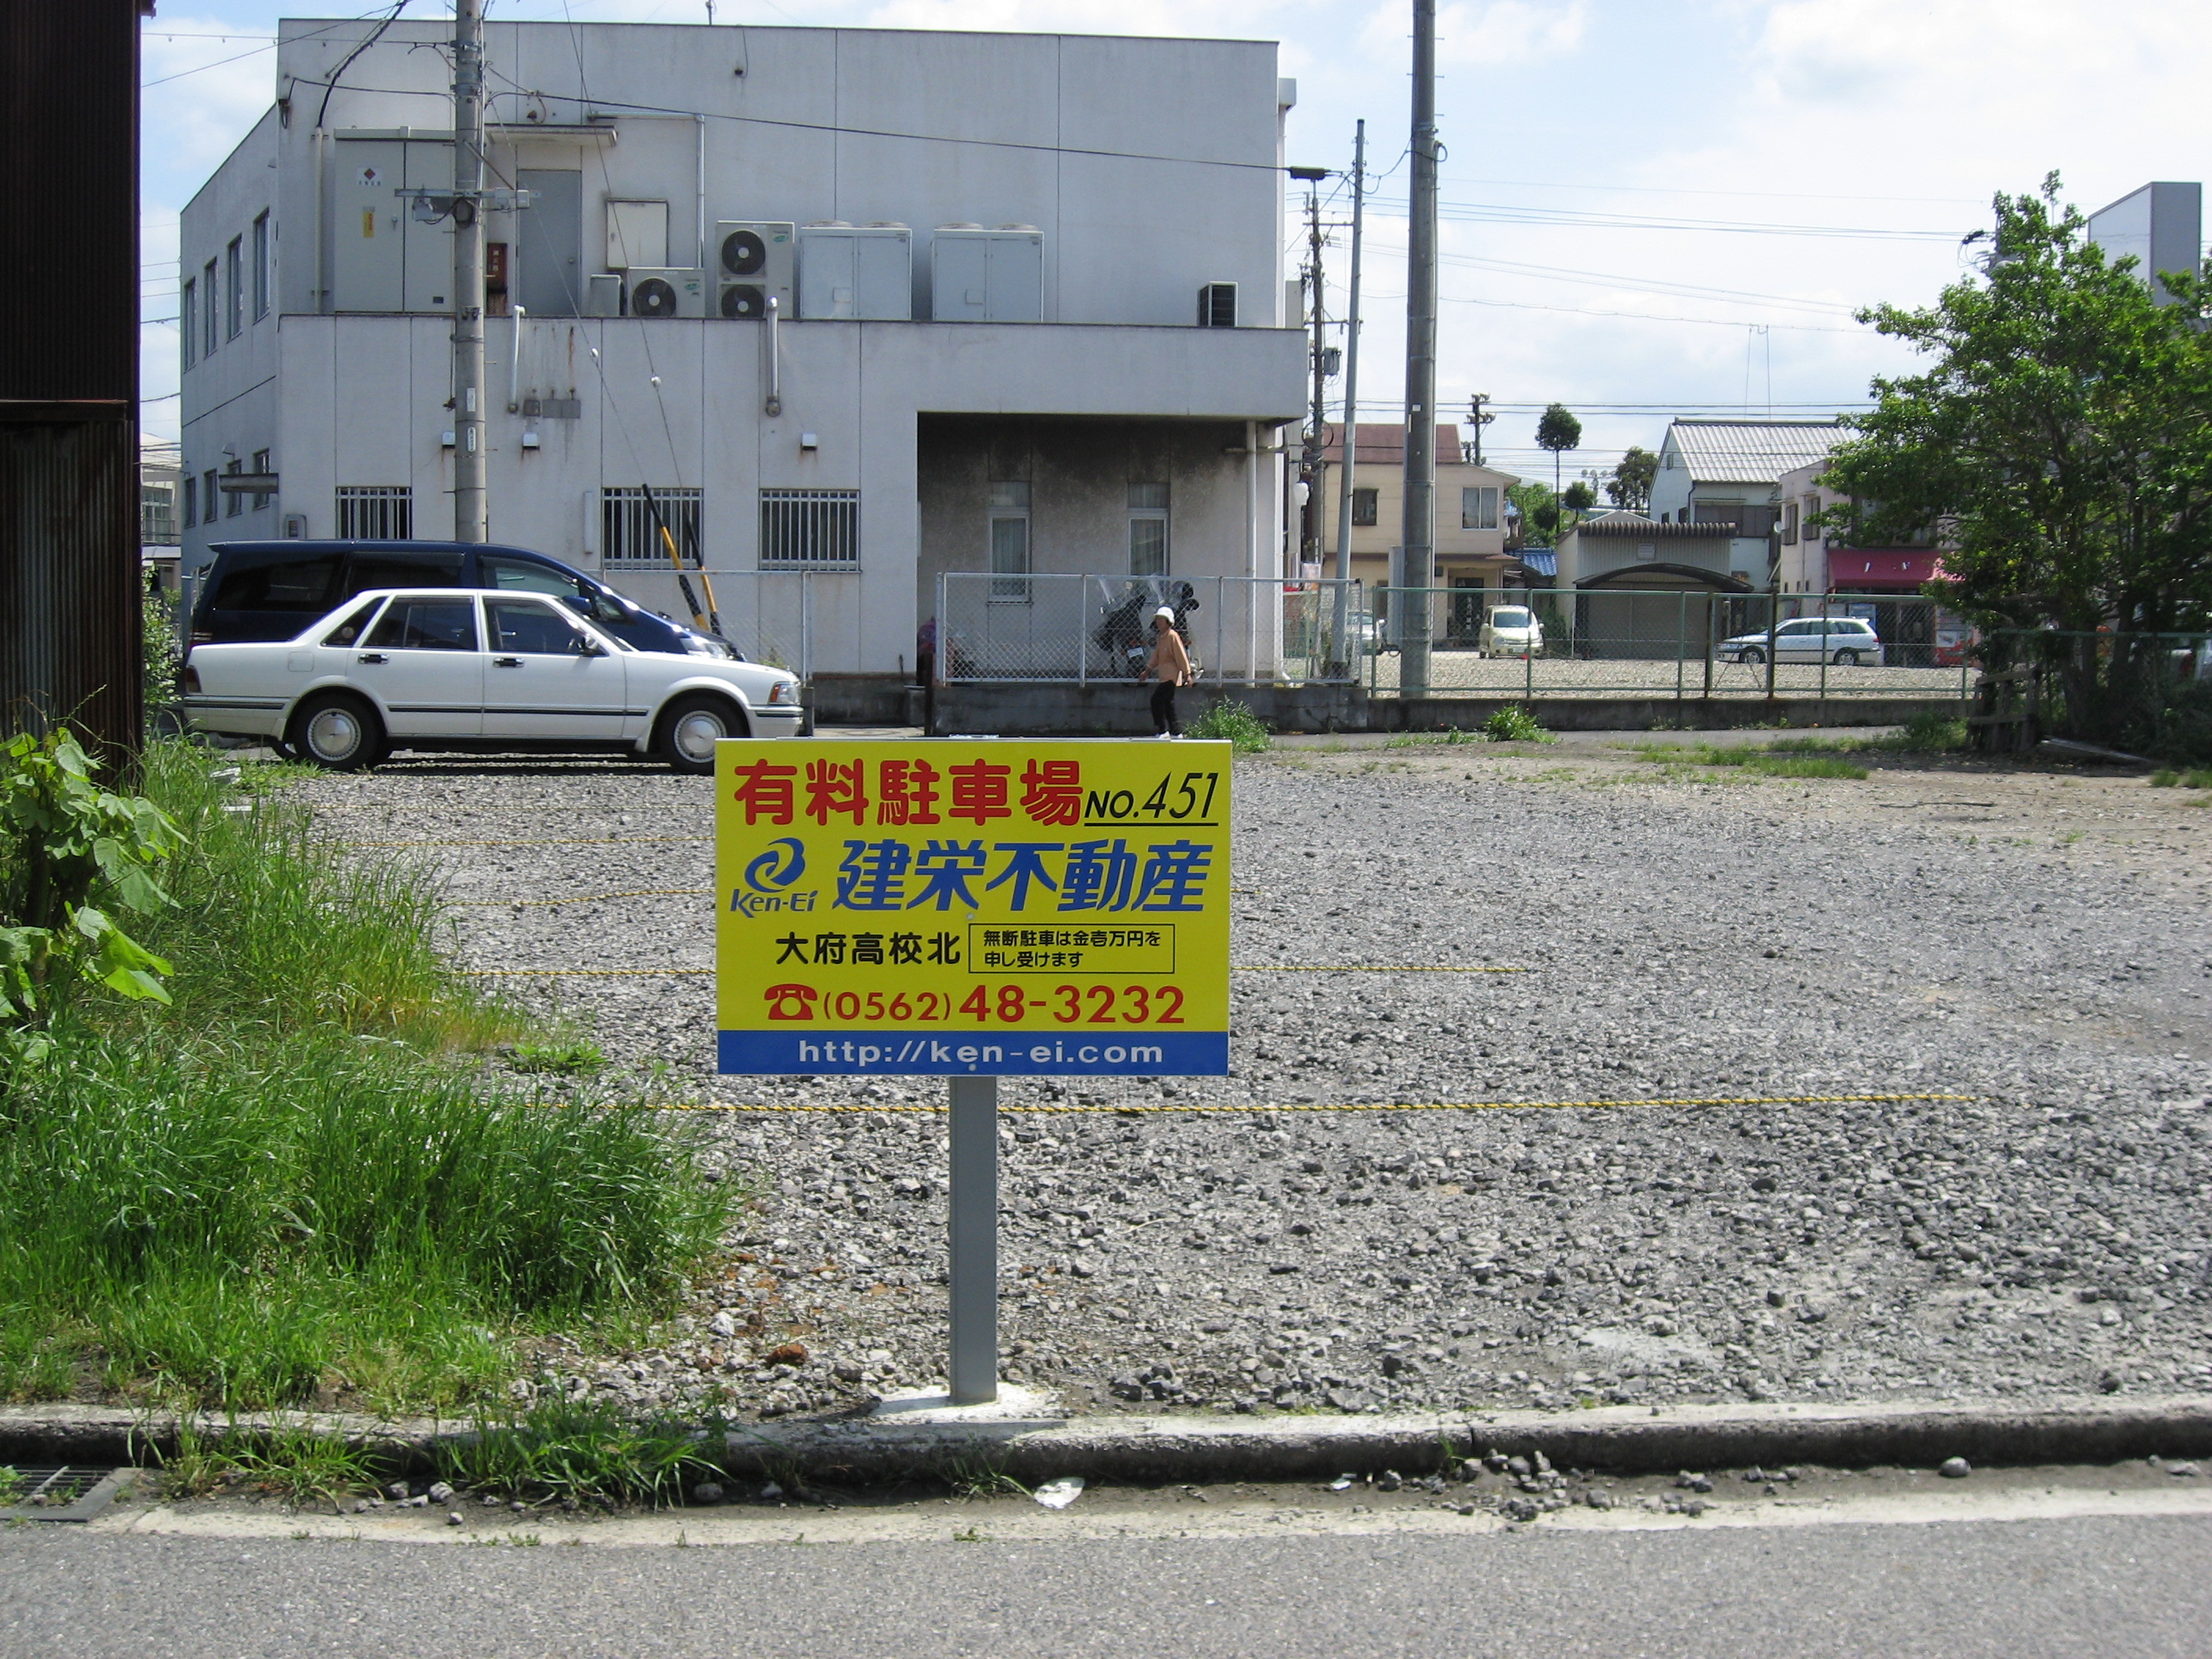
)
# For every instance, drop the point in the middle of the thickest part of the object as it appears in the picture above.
(1676, 644)
(1240, 630)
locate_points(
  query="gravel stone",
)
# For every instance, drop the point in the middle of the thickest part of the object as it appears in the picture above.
(1954, 1468)
(2048, 1236)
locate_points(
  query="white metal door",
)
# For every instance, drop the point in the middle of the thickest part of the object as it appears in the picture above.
(537, 683)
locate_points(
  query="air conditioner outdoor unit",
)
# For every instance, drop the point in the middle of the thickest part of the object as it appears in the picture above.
(603, 295)
(979, 275)
(663, 292)
(756, 262)
(1217, 306)
(862, 273)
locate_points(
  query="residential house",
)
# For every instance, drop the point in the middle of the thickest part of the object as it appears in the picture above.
(1093, 385)
(1470, 513)
(1727, 471)
(1822, 568)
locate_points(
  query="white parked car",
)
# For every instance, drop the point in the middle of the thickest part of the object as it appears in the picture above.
(485, 670)
(1509, 630)
(1846, 641)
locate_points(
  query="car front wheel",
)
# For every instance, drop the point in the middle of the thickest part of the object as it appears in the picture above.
(693, 725)
(338, 730)
(1751, 653)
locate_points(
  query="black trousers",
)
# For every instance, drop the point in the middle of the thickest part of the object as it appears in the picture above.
(1164, 708)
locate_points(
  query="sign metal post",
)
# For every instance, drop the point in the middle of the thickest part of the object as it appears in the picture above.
(974, 1202)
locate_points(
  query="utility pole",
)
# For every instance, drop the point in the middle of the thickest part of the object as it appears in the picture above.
(1479, 418)
(472, 518)
(1418, 570)
(1351, 392)
(1317, 428)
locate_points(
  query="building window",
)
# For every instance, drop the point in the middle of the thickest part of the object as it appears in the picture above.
(188, 317)
(376, 513)
(191, 501)
(234, 501)
(1478, 507)
(207, 496)
(1790, 523)
(816, 529)
(261, 266)
(1148, 530)
(629, 533)
(157, 514)
(1363, 507)
(234, 270)
(1811, 510)
(1008, 505)
(210, 312)
(261, 497)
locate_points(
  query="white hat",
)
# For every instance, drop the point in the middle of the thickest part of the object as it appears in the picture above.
(1165, 613)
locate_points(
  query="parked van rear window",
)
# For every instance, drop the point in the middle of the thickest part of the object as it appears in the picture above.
(378, 567)
(309, 585)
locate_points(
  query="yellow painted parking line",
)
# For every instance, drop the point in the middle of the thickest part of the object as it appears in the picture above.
(1358, 1106)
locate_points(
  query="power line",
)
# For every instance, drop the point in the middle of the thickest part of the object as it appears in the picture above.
(1576, 218)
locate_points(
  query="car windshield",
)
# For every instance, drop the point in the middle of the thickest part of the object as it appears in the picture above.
(1508, 619)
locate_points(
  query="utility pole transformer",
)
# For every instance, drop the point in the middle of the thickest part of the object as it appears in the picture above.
(1418, 534)
(471, 516)
(1351, 393)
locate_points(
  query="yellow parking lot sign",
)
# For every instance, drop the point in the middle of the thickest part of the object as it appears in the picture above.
(973, 907)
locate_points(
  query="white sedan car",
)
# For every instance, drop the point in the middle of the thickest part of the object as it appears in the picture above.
(1847, 642)
(484, 669)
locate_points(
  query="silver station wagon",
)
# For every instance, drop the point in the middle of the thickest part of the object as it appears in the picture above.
(478, 670)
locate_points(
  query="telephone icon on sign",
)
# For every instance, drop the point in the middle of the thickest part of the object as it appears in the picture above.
(790, 1001)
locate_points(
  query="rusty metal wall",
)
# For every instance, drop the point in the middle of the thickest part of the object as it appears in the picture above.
(70, 644)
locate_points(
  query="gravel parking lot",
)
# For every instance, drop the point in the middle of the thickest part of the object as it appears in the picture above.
(2040, 942)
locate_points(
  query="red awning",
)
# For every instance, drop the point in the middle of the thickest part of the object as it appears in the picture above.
(1850, 568)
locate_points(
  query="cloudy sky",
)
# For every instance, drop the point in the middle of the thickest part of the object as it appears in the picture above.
(1647, 208)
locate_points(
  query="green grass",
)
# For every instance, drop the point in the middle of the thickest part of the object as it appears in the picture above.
(293, 1185)
(1780, 760)
(1451, 737)
(574, 1057)
(2199, 777)
(1515, 725)
(1231, 720)
(587, 1452)
(297, 1463)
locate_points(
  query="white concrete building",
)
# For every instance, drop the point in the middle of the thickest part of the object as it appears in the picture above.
(1069, 415)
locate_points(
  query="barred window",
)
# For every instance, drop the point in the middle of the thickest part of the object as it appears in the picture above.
(376, 513)
(1148, 530)
(191, 501)
(628, 534)
(819, 528)
(1363, 507)
(261, 498)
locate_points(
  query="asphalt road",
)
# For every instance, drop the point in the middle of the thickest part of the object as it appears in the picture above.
(2106, 1586)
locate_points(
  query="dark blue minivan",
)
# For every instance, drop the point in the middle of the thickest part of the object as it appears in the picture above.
(271, 590)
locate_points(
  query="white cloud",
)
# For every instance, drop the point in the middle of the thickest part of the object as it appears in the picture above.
(1507, 32)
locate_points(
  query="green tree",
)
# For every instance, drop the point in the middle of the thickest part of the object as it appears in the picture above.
(2061, 438)
(1629, 484)
(2059, 441)
(1558, 431)
(1539, 511)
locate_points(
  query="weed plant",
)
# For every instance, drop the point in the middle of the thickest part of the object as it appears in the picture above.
(286, 1186)
(1515, 724)
(588, 1452)
(2199, 777)
(1231, 720)
(1779, 759)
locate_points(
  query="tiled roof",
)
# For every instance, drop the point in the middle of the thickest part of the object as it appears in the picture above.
(1750, 451)
(1383, 444)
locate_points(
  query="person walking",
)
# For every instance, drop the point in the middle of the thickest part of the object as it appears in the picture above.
(1168, 667)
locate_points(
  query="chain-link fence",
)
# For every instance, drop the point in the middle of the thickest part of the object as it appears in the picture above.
(2149, 693)
(1239, 630)
(1674, 643)
(807, 621)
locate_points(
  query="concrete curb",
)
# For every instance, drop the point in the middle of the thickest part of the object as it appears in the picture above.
(1620, 1439)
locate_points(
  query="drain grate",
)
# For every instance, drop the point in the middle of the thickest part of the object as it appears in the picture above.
(62, 1493)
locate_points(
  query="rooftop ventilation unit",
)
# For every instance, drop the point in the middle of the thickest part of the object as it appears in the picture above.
(755, 262)
(859, 273)
(663, 292)
(603, 295)
(1217, 306)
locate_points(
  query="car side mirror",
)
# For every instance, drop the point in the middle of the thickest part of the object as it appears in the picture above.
(584, 645)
